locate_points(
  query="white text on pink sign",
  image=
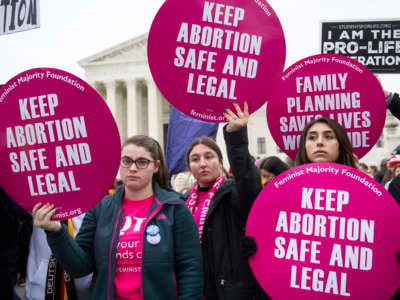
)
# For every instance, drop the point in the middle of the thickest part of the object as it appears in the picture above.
(220, 39)
(44, 132)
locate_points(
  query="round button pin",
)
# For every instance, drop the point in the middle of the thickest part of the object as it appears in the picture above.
(153, 239)
(152, 230)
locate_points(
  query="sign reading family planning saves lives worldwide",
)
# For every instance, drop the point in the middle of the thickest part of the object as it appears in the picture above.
(325, 231)
(204, 54)
(59, 142)
(332, 86)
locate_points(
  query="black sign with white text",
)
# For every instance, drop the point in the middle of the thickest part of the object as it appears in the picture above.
(375, 44)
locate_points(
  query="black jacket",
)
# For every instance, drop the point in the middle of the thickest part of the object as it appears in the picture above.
(394, 106)
(8, 244)
(394, 188)
(227, 272)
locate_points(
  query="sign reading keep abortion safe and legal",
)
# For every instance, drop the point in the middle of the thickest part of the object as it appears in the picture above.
(325, 231)
(375, 44)
(332, 86)
(16, 16)
(59, 142)
(203, 55)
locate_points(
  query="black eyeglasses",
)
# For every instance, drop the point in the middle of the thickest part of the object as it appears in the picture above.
(141, 162)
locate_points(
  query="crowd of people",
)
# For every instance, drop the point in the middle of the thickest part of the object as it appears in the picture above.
(146, 241)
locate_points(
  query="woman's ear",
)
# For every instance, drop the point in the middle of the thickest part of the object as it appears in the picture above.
(156, 166)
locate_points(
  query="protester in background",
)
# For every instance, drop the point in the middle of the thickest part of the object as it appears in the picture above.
(324, 140)
(259, 161)
(9, 226)
(141, 242)
(394, 185)
(40, 274)
(382, 171)
(270, 168)
(363, 167)
(392, 164)
(373, 170)
(220, 207)
(182, 182)
(389, 174)
(395, 172)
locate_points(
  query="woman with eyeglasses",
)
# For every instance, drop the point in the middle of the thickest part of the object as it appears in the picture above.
(141, 242)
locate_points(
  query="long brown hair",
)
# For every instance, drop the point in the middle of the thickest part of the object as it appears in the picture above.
(346, 155)
(154, 148)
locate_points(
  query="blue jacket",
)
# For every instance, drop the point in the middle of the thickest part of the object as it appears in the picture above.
(172, 269)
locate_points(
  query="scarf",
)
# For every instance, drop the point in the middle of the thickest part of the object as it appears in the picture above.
(59, 285)
(193, 205)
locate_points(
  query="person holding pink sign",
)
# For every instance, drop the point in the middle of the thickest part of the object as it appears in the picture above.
(220, 207)
(324, 140)
(141, 242)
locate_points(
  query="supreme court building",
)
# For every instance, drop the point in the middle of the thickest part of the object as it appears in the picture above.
(122, 76)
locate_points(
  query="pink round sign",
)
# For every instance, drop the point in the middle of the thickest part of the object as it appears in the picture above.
(59, 142)
(204, 55)
(332, 86)
(325, 231)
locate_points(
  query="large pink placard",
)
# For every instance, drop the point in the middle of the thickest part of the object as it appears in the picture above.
(332, 86)
(325, 231)
(203, 55)
(59, 142)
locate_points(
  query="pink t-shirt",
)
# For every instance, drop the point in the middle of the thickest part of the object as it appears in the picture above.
(128, 269)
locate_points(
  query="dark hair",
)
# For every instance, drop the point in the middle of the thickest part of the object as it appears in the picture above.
(383, 164)
(363, 166)
(274, 165)
(151, 145)
(388, 175)
(203, 140)
(346, 155)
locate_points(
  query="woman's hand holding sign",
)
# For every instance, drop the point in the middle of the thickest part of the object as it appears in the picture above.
(237, 120)
(42, 217)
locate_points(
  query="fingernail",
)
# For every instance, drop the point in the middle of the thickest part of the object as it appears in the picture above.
(234, 102)
(226, 107)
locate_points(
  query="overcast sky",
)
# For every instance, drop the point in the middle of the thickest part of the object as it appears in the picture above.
(72, 30)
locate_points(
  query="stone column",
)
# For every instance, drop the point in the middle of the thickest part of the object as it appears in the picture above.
(111, 96)
(153, 112)
(132, 107)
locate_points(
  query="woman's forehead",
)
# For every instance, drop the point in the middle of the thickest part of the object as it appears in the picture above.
(132, 150)
(320, 127)
(201, 149)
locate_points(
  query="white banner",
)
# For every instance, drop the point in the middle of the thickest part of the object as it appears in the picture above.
(19, 15)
